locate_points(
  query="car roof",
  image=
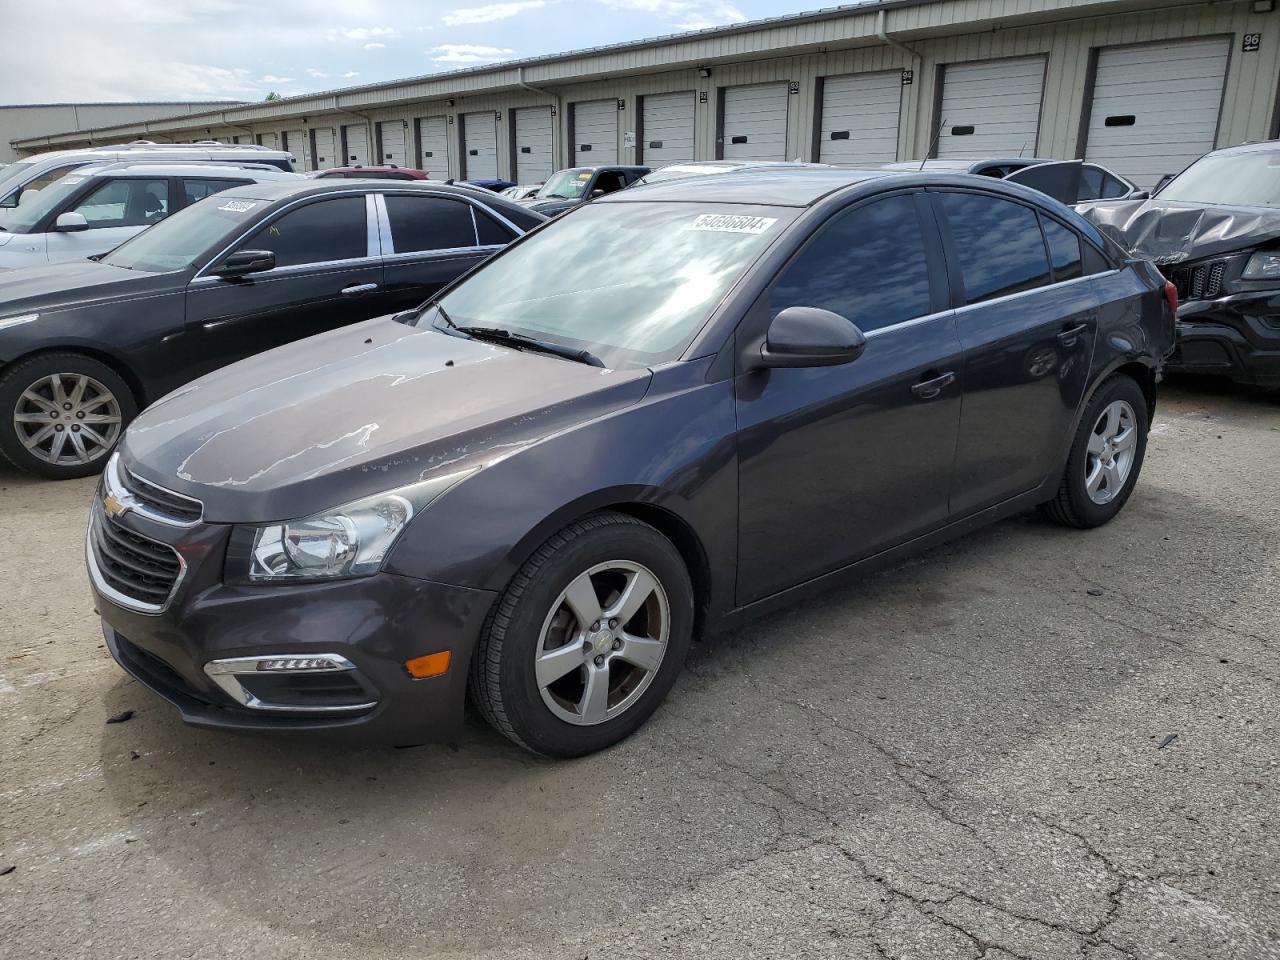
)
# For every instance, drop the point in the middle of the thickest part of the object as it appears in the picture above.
(963, 164)
(377, 168)
(207, 168)
(605, 166)
(778, 187)
(1261, 146)
(108, 151)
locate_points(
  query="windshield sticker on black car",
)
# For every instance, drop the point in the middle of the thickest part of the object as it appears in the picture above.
(238, 206)
(731, 223)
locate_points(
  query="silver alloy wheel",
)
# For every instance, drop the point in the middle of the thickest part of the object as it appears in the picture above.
(1113, 443)
(67, 419)
(602, 642)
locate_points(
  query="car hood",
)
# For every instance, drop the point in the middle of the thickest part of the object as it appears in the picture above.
(1169, 232)
(357, 411)
(548, 207)
(56, 285)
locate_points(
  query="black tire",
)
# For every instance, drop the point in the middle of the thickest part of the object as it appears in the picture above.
(1073, 506)
(503, 684)
(26, 374)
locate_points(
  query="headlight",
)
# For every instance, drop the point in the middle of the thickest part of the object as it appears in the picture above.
(348, 541)
(1263, 265)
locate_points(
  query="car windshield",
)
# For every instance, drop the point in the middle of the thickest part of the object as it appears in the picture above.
(678, 171)
(631, 283)
(14, 174)
(1234, 179)
(180, 241)
(35, 205)
(565, 185)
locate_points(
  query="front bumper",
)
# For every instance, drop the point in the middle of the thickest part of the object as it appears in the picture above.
(376, 623)
(1237, 336)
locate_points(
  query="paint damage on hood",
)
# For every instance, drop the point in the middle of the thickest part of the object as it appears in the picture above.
(1173, 232)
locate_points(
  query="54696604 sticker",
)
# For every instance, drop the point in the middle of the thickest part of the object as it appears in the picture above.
(732, 223)
(238, 206)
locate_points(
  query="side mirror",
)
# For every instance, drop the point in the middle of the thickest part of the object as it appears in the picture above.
(246, 261)
(1140, 195)
(811, 337)
(70, 222)
(597, 192)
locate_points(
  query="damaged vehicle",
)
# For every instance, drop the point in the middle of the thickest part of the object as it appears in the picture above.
(1214, 231)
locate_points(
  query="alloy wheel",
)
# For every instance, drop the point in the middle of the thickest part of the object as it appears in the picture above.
(602, 642)
(67, 419)
(1112, 446)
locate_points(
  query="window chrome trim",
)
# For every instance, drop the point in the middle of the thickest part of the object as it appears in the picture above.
(225, 672)
(277, 273)
(111, 593)
(443, 252)
(1022, 293)
(113, 487)
(913, 322)
(372, 228)
(386, 243)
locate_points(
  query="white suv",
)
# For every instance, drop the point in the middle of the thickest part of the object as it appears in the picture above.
(98, 207)
(23, 177)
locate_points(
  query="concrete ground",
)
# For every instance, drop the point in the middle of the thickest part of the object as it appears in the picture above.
(1033, 743)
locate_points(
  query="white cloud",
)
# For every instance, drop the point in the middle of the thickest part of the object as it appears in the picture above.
(375, 46)
(318, 74)
(272, 78)
(468, 53)
(363, 33)
(490, 12)
(684, 14)
(349, 74)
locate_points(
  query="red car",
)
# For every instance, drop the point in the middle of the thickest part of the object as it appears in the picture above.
(388, 172)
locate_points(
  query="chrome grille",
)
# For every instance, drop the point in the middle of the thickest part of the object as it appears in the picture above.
(149, 499)
(1201, 282)
(141, 572)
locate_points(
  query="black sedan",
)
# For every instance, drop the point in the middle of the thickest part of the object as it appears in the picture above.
(84, 346)
(566, 189)
(1214, 230)
(677, 408)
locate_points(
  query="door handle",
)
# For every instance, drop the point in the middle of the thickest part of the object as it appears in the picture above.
(928, 389)
(359, 289)
(1069, 336)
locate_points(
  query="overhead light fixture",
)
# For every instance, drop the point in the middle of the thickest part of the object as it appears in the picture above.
(448, 103)
(704, 72)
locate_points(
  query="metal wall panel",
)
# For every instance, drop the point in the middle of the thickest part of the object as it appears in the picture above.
(754, 125)
(298, 143)
(268, 140)
(355, 145)
(534, 154)
(990, 108)
(433, 146)
(667, 128)
(595, 132)
(391, 140)
(860, 118)
(326, 148)
(479, 145)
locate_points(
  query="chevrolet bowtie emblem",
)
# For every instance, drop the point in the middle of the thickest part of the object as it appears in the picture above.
(113, 505)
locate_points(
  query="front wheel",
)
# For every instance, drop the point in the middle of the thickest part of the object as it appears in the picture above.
(1106, 456)
(587, 639)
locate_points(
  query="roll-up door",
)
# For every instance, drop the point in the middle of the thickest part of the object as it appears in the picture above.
(595, 132)
(755, 122)
(269, 140)
(480, 145)
(355, 141)
(534, 158)
(433, 146)
(1155, 106)
(860, 118)
(391, 139)
(298, 143)
(667, 131)
(326, 149)
(991, 108)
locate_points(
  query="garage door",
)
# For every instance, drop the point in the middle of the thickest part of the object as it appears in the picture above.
(595, 132)
(391, 136)
(991, 109)
(860, 118)
(269, 140)
(355, 142)
(534, 159)
(1155, 107)
(326, 148)
(668, 129)
(297, 143)
(433, 144)
(480, 145)
(755, 122)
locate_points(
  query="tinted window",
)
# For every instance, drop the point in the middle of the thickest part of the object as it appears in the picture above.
(429, 223)
(1064, 249)
(491, 232)
(867, 265)
(193, 190)
(1094, 261)
(998, 244)
(326, 230)
(126, 203)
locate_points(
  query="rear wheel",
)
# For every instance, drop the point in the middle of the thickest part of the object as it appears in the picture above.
(61, 414)
(587, 639)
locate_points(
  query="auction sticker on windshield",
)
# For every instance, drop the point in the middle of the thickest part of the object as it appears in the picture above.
(732, 223)
(238, 206)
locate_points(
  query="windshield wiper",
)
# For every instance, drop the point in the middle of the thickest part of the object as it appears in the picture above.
(531, 343)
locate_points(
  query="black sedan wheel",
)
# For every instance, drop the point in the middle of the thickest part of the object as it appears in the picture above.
(64, 414)
(587, 640)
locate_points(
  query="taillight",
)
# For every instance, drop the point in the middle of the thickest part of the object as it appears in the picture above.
(1171, 295)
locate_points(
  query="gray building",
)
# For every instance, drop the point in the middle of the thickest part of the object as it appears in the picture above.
(31, 122)
(1141, 86)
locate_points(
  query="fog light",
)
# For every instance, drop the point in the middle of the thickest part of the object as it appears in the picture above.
(301, 663)
(432, 665)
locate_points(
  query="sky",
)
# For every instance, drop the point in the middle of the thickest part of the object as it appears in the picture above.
(73, 50)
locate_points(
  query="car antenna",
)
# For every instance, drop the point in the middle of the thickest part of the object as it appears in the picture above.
(1023, 150)
(933, 145)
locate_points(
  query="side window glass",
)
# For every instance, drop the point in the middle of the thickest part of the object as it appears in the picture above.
(868, 265)
(46, 178)
(126, 203)
(609, 182)
(1094, 261)
(1064, 250)
(1113, 187)
(1090, 183)
(316, 233)
(193, 190)
(998, 244)
(429, 223)
(492, 233)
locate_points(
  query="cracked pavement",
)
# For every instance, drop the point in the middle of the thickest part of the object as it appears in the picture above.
(966, 756)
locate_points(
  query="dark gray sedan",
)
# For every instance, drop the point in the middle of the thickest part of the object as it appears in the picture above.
(677, 408)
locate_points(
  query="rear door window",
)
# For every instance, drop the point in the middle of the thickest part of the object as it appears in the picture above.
(125, 203)
(1064, 250)
(868, 265)
(429, 223)
(318, 232)
(193, 189)
(997, 245)
(491, 232)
